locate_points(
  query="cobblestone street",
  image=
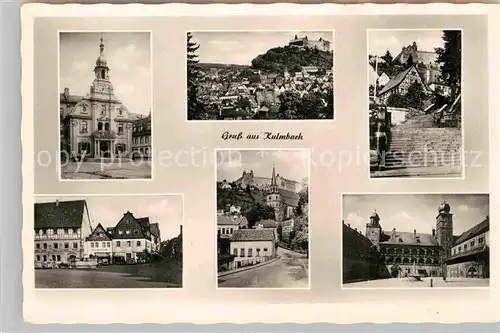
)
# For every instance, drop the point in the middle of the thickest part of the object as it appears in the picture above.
(437, 282)
(289, 271)
(102, 170)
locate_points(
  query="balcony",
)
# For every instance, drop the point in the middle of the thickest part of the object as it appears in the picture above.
(102, 134)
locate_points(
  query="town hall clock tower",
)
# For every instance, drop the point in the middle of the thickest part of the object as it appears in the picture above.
(373, 229)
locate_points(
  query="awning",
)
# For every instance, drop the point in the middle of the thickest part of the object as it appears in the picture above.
(102, 254)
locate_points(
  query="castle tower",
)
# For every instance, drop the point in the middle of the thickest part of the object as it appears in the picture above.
(444, 227)
(373, 229)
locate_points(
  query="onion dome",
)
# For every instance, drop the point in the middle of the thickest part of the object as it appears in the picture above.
(444, 207)
(101, 60)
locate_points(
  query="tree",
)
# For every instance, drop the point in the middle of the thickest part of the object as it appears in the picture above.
(415, 96)
(193, 77)
(258, 212)
(450, 59)
(396, 100)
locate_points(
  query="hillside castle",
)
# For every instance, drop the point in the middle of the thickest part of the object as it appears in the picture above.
(264, 183)
(419, 57)
(305, 43)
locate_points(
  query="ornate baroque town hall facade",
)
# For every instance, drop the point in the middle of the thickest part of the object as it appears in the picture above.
(378, 254)
(97, 125)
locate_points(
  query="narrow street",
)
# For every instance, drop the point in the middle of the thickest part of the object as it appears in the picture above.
(290, 271)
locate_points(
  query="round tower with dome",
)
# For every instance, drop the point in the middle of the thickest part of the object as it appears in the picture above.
(444, 227)
(373, 229)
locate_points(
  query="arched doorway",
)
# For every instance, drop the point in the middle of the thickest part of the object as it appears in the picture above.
(71, 259)
(472, 272)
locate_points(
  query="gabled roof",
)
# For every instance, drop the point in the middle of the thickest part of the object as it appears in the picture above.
(243, 235)
(408, 238)
(144, 222)
(228, 220)
(268, 223)
(396, 81)
(69, 98)
(59, 214)
(474, 231)
(129, 222)
(155, 229)
(99, 234)
(290, 198)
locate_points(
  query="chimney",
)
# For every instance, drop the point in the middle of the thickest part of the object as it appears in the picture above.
(433, 232)
(66, 91)
(181, 229)
(414, 233)
(393, 233)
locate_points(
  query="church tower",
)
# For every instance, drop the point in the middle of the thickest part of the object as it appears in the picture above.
(444, 227)
(373, 229)
(274, 197)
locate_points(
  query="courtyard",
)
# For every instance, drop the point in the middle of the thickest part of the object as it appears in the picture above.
(165, 274)
(437, 282)
(104, 170)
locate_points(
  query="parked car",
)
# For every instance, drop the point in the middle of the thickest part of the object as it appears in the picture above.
(64, 265)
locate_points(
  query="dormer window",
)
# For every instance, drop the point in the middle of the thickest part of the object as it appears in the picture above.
(127, 232)
(418, 240)
(120, 232)
(401, 240)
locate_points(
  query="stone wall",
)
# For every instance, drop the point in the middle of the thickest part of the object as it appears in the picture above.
(468, 269)
(360, 257)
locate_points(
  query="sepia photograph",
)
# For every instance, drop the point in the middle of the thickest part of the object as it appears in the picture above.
(263, 218)
(415, 240)
(126, 241)
(260, 75)
(105, 105)
(415, 103)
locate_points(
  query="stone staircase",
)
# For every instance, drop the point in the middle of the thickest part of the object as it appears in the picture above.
(416, 143)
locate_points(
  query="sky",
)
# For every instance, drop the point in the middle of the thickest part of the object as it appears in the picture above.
(379, 41)
(409, 212)
(290, 164)
(166, 210)
(129, 58)
(240, 47)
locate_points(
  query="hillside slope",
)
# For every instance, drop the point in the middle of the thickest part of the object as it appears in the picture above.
(293, 59)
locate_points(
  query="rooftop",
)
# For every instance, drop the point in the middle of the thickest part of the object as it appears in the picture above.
(410, 238)
(474, 231)
(242, 235)
(59, 214)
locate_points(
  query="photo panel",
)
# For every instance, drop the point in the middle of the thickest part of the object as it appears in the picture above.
(108, 241)
(263, 218)
(415, 103)
(260, 75)
(105, 105)
(415, 240)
